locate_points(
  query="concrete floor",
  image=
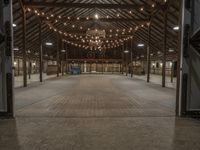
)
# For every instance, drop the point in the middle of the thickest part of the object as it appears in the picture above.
(34, 78)
(97, 112)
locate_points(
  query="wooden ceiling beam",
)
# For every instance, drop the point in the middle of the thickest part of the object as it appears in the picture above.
(86, 5)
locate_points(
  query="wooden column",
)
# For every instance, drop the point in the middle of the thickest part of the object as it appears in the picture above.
(90, 67)
(148, 52)
(29, 69)
(172, 72)
(126, 62)
(131, 58)
(62, 61)
(66, 56)
(58, 54)
(18, 67)
(40, 52)
(164, 47)
(102, 67)
(112, 68)
(123, 59)
(24, 53)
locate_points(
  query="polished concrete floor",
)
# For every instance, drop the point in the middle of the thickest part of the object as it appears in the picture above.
(97, 112)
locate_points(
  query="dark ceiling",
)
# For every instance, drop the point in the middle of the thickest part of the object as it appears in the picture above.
(125, 22)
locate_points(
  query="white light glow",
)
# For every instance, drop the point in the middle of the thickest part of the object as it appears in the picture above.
(16, 49)
(15, 63)
(171, 50)
(96, 16)
(140, 45)
(14, 25)
(63, 50)
(176, 28)
(49, 43)
(126, 51)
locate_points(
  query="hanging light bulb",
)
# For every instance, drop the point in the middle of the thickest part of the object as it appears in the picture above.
(96, 16)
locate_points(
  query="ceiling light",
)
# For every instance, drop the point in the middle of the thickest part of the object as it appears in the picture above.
(49, 43)
(126, 51)
(63, 50)
(16, 49)
(176, 28)
(171, 50)
(15, 63)
(140, 45)
(14, 25)
(96, 16)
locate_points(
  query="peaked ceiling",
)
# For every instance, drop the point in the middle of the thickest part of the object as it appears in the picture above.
(124, 21)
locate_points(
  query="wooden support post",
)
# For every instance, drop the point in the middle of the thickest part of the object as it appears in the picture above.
(126, 62)
(102, 67)
(58, 55)
(40, 52)
(18, 67)
(24, 50)
(112, 68)
(66, 57)
(123, 59)
(62, 61)
(164, 48)
(90, 67)
(172, 72)
(29, 69)
(148, 52)
(131, 58)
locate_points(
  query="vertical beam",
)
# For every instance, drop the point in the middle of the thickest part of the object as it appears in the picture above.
(6, 56)
(58, 54)
(62, 61)
(66, 57)
(24, 49)
(122, 59)
(29, 69)
(112, 68)
(18, 67)
(179, 60)
(131, 58)
(172, 72)
(164, 47)
(148, 52)
(40, 52)
(102, 67)
(126, 63)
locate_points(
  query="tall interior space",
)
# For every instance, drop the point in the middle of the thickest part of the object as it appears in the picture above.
(99, 74)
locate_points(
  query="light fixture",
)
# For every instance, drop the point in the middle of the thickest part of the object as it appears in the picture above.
(171, 50)
(16, 49)
(34, 64)
(49, 43)
(126, 51)
(96, 16)
(15, 63)
(176, 28)
(14, 25)
(140, 45)
(63, 50)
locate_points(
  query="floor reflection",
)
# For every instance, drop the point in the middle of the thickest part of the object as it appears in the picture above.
(151, 133)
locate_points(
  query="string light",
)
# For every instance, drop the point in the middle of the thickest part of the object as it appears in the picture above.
(73, 26)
